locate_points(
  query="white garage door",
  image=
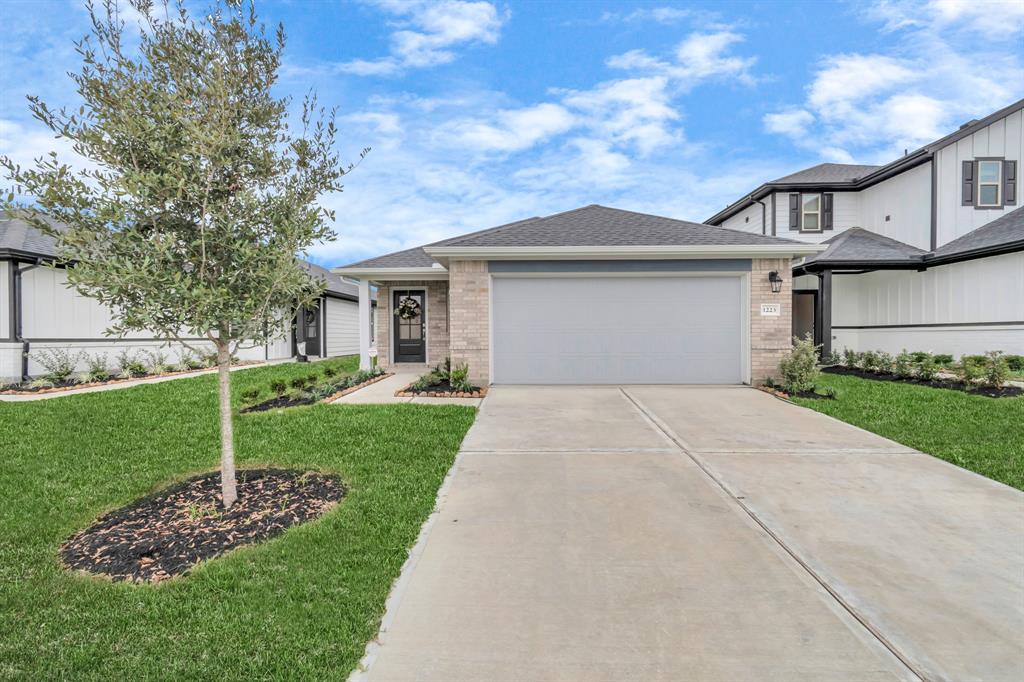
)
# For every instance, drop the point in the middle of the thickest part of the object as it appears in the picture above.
(618, 330)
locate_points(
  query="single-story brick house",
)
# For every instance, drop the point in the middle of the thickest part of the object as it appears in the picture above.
(595, 295)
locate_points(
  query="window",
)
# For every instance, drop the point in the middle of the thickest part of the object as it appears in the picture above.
(810, 210)
(990, 183)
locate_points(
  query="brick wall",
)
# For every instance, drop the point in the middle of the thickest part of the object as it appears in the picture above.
(437, 319)
(469, 284)
(770, 337)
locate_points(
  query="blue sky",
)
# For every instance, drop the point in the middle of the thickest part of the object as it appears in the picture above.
(481, 113)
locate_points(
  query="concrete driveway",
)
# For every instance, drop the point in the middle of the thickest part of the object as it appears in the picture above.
(678, 533)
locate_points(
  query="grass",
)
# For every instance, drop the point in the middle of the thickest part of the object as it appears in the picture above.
(300, 606)
(974, 432)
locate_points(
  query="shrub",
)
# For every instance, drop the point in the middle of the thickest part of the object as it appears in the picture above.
(330, 372)
(832, 359)
(1015, 363)
(59, 363)
(886, 362)
(158, 362)
(850, 358)
(129, 365)
(188, 361)
(208, 360)
(995, 370)
(278, 387)
(298, 383)
(769, 382)
(799, 369)
(927, 370)
(41, 382)
(459, 379)
(943, 360)
(869, 361)
(312, 379)
(972, 359)
(971, 368)
(95, 368)
(444, 369)
(830, 392)
(919, 356)
(426, 381)
(252, 396)
(903, 365)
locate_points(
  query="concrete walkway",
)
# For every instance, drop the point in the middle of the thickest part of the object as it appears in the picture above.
(667, 533)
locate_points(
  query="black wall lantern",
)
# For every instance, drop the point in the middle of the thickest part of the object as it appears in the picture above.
(776, 281)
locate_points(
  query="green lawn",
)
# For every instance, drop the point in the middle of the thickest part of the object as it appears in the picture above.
(985, 435)
(299, 606)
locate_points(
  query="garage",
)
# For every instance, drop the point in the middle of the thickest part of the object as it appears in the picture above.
(655, 329)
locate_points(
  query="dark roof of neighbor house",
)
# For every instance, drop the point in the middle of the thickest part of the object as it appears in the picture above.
(873, 175)
(827, 173)
(857, 245)
(19, 238)
(1003, 232)
(591, 225)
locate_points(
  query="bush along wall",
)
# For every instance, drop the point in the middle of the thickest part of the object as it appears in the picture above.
(981, 374)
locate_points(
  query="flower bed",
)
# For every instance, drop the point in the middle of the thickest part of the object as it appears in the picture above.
(937, 382)
(440, 390)
(165, 534)
(444, 381)
(61, 376)
(310, 389)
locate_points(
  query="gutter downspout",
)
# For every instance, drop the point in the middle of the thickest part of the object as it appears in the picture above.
(16, 313)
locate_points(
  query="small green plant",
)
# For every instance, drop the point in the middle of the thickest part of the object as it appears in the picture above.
(95, 369)
(995, 369)
(458, 377)
(278, 387)
(41, 382)
(869, 361)
(252, 396)
(426, 381)
(769, 382)
(298, 383)
(129, 365)
(59, 363)
(903, 365)
(971, 368)
(943, 360)
(850, 358)
(312, 379)
(799, 369)
(920, 356)
(444, 369)
(927, 370)
(832, 359)
(208, 360)
(188, 361)
(886, 362)
(1015, 363)
(830, 392)
(157, 363)
(330, 372)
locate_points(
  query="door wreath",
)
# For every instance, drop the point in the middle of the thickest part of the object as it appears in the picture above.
(408, 308)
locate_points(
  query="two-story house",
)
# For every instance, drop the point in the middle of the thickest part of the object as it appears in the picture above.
(924, 253)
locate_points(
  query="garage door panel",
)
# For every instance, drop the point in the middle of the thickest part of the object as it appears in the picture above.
(617, 330)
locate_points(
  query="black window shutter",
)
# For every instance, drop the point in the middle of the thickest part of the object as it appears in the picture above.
(794, 211)
(967, 188)
(826, 211)
(1009, 182)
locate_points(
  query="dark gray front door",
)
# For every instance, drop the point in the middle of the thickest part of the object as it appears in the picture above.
(410, 332)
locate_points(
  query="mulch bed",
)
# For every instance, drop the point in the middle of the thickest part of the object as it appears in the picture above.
(282, 401)
(165, 534)
(441, 390)
(810, 395)
(951, 384)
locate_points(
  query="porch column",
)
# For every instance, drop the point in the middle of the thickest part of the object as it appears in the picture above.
(825, 311)
(364, 324)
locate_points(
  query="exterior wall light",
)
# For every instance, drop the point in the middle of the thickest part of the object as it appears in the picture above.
(776, 281)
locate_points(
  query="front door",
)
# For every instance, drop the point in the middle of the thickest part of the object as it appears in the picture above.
(410, 331)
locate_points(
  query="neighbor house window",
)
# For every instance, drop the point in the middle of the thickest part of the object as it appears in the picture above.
(990, 182)
(810, 209)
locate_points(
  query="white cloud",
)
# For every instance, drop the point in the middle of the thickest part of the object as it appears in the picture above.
(700, 57)
(427, 33)
(937, 74)
(508, 130)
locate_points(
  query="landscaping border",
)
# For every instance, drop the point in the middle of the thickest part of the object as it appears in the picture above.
(405, 392)
(1006, 391)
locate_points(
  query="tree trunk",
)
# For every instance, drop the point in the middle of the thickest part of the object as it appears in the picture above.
(228, 489)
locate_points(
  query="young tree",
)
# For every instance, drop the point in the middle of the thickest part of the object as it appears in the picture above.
(198, 198)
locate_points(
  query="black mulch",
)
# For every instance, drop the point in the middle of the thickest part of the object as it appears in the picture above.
(811, 395)
(989, 391)
(279, 401)
(167, 533)
(440, 387)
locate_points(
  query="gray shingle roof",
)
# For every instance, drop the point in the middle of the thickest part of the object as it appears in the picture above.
(21, 238)
(827, 173)
(592, 225)
(857, 245)
(1002, 231)
(18, 236)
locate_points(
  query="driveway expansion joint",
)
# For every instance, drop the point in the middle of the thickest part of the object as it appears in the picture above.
(687, 451)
